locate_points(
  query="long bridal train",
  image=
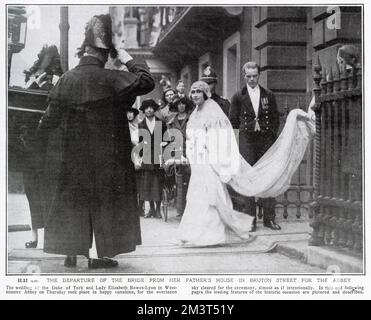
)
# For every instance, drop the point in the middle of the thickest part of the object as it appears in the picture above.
(271, 175)
(209, 217)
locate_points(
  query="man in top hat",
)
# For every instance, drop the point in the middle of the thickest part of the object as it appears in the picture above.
(94, 200)
(209, 76)
(254, 113)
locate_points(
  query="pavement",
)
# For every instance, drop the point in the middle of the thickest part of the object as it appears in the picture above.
(266, 252)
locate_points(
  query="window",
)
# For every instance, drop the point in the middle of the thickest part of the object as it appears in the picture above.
(185, 75)
(203, 62)
(231, 65)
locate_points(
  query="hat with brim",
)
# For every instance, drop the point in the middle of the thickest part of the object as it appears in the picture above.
(166, 91)
(149, 103)
(133, 110)
(173, 106)
(98, 34)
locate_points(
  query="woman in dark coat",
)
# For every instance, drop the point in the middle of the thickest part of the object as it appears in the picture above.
(95, 193)
(132, 115)
(32, 181)
(183, 106)
(151, 131)
(44, 73)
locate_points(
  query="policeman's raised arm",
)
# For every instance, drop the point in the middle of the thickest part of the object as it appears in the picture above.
(137, 81)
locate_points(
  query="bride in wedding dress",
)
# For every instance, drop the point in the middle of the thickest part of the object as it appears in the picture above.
(213, 154)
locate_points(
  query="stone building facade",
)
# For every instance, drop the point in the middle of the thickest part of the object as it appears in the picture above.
(283, 40)
(181, 41)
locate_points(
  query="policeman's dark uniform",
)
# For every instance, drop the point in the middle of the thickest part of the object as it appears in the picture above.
(224, 103)
(209, 76)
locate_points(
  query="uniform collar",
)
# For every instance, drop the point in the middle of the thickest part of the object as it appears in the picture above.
(244, 89)
(256, 89)
(90, 60)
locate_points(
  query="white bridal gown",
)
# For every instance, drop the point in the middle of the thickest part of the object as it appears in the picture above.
(212, 151)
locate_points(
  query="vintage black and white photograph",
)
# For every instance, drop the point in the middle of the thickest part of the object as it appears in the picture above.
(185, 139)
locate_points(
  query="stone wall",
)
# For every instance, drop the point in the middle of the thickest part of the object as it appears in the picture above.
(331, 28)
(279, 40)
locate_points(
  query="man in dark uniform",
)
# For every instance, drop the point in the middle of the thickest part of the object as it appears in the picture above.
(254, 113)
(209, 76)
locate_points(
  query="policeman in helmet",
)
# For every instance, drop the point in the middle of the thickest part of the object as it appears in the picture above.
(209, 76)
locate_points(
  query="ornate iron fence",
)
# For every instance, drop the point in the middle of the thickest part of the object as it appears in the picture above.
(337, 205)
(295, 202)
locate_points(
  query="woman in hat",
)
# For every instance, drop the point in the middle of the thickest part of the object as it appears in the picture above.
(132, 116)
(151, 131)
(46, 70)
(93, 200)
(43, 75)
(213, 154)
(180, 88)
(183, 106)
(203, 222)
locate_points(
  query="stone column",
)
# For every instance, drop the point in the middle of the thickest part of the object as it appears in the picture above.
(279, 38)
(279, 46)
(124, 26)
(130, 29)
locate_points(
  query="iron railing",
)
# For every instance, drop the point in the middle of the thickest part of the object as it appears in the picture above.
(337, 205)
